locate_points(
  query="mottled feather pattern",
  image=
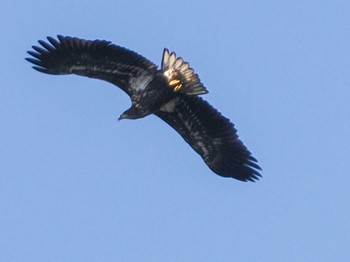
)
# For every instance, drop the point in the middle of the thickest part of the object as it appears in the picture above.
(97, 59)
(213, 137)
(209, 133)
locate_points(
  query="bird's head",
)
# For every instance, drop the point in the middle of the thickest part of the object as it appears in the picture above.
(123, 116)
(133, 113)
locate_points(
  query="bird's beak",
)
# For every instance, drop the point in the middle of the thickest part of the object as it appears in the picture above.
(122, 116)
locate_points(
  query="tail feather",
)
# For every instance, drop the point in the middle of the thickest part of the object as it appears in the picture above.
(180, 75)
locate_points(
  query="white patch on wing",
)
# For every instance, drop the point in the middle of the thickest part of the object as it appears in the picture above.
(139, 83)
(169, 107)
(204, 149)
(79, 67)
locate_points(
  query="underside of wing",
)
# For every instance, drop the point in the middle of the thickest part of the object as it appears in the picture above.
(97, 59)
(213, 137)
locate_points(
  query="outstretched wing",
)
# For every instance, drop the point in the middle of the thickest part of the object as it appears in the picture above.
(97, 59)
(213, 137)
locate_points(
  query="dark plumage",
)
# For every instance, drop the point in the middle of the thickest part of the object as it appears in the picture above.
(171, 93)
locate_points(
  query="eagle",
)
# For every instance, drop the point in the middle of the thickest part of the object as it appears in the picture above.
(172, 93)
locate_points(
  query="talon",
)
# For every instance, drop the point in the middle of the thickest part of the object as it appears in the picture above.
(174, 82)
(177, 88)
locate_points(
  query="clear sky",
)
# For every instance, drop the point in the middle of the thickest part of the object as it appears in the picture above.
(77, 185)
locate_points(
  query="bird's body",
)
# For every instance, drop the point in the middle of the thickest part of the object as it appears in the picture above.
(150, 98)
(171, 92)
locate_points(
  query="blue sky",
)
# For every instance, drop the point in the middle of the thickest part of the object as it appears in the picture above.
(77, 185)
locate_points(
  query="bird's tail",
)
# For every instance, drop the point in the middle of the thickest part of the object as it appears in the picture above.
(180, 75)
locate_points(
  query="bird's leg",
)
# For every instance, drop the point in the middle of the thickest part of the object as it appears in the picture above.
(175, 84)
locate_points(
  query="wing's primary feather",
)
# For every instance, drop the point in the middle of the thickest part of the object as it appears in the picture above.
(97, 59)
(213, 137)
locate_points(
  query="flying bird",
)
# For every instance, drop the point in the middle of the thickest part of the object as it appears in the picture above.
(171, 93)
